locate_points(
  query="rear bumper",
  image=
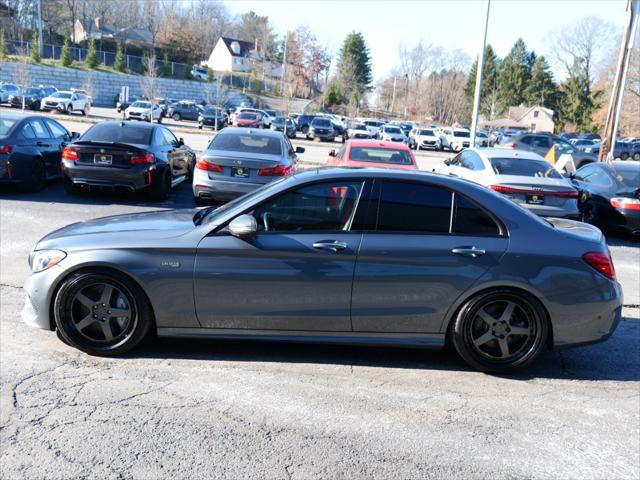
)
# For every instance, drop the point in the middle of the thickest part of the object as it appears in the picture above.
(570, 212)
(223, 189)
(135, 178)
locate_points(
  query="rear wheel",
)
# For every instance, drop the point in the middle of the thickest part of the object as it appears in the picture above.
(37, 178)
(199, 201)
(500, 331)
(160, 190)
(176, 117)
(636, 156)
(102, 313)
(70, 187)
(590, 213)
(624, 156)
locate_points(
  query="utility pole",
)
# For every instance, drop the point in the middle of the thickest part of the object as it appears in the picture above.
(393, 96)
(617, 93)
(478, 90)
(284, 63)
(40, 27)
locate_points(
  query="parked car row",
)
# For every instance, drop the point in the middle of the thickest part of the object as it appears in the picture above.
(46, 98)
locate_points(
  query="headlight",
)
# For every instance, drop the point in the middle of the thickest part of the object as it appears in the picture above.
(42, 259)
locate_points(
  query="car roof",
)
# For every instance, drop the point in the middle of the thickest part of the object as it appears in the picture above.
(499, 152)
(356, 142)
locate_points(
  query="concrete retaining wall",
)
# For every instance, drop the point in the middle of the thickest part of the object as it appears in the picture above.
(105, 86)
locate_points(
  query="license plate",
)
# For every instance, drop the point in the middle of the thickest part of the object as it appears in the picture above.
(535, 199)
(240, 172)
(102, 159)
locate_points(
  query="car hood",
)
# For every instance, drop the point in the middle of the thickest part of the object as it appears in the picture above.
(118, 230)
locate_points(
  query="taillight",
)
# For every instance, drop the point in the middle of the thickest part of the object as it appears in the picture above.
(602, 263)
(509, 145)
(141, 158)
(208, 166)
(6, 149)
(69, 154)
(626, 203)
(279, 171)
(548, 193)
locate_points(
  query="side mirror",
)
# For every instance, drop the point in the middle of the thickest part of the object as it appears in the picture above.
(75, 135)
(332, 152)
(447, 161)
(244, 226)
(300, 149)
(180, 141)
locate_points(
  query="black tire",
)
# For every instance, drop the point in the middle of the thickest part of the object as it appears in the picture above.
(305, 129)
(176, 117)
(70, 187)
(160, 189)
(37, 178)
(484, 331)
(624, 156)
(591, 213)
(199, 201)
(159, 120)
(103, 292)
(200, 126)
(636, 156)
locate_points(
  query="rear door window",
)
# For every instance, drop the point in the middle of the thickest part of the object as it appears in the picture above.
(469, 219)
(39, 128)
(27, 131)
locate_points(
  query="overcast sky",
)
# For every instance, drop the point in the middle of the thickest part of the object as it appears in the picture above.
(453, 24)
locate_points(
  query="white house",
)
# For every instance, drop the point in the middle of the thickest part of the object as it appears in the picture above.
(231, 55)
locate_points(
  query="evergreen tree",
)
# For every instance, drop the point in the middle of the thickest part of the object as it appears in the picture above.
(66, 58)
(166, 65)
(541, 89)
(577, 100)
(354, 68)
(35, 47)
(4, 51)
(333, 95)
(490, 74)
(91, 59)
(515, 74)
(119, 63)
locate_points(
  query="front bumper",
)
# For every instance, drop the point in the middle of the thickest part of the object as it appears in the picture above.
(36, 311)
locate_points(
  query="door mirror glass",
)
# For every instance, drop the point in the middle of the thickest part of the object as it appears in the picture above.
(301, 150)
(243, 226)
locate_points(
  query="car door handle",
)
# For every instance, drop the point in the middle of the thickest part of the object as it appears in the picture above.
(332, 245)
(469, 251)
(41, 144)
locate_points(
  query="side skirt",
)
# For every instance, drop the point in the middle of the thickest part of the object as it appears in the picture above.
(424, 340)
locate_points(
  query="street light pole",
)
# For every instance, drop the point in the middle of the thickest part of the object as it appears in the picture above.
(479, 69)
(40, 28)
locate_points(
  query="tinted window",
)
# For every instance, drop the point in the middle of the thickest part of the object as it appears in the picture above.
(6, 124)
(391, 156)
(628, 175)
(169, 137)
(461, 134)
(392, 130)
(27, 131)
(39, 128)
(324, 206)
(523, 167)
(110, 132)
(57, 130)
(427, 133)
(321, 122)
(411, 207)
(471, 160)
(540, 142)
(250, 143)
(469, 219)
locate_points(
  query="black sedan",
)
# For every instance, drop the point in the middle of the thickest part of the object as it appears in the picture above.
(119, 155)
(214, 118)
(610, 195)
(32, 97)
(30, 150)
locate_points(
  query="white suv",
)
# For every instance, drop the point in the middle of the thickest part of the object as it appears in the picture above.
(66, 102)
(423, 137)
(142, 110)
(455, 139)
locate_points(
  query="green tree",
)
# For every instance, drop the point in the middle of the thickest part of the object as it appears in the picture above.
(541, 88)
(144, 61)
(210, 75)
(166, 65)
(578, 102)
(4, 51)
(35, 47)
(354, 68)
(515, 74)
(490, 77)
(333, 95)
(91, 60)
(119, 63)
(66, 58)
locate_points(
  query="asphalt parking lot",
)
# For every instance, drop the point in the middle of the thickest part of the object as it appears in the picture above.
(193, 409)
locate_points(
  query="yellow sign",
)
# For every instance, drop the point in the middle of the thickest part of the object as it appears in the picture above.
(551, 155)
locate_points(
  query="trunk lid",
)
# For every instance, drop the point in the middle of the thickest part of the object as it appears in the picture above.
(106, 154)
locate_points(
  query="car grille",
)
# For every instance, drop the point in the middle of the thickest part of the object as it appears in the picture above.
(465, 144)
(361, 135)
(396, 139)
(51, 104)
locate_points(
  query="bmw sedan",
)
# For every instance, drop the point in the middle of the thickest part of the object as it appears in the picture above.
(30, 150)
(240, 160)
(356, 256)
(127, 156)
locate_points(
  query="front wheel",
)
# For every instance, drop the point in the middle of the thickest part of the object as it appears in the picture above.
(636, 156)
(500, 331)
(102, 313)
(176, 117)
(590, 213)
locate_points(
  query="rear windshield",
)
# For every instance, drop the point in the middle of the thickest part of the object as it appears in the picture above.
(249, 143)
(380, 155)
(522, 167)
(629, 175)
(117, 133)
(461, 134)
(6, 124)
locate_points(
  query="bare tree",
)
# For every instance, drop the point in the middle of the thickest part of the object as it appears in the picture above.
(149, 83)
(21, 75)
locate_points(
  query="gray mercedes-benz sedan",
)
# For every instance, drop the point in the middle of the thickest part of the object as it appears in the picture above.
(239, 160)
(359, 256)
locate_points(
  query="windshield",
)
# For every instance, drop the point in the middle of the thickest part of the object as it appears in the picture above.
(248, 116)
(278, 121)
(247, 143)
(208, 215)
(380, 155)
(628, 175)
(321, 122)
(522, 167)
(271, 113)
(427, 133)
(61, 95)
(212, 111)
(6, 124)
(117, 133)
(33, 91)
(463, 134)
(562, 146)
(141, 105)
(392, 130)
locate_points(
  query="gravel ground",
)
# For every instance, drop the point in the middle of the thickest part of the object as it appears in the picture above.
(193, 409)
